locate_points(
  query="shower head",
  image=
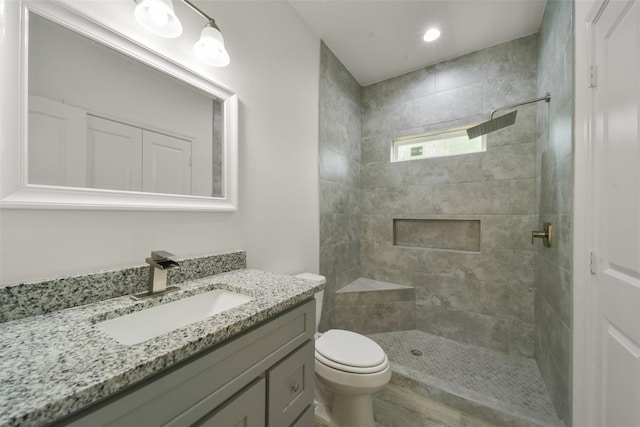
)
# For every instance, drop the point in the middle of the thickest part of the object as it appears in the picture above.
(502, 121)
(492, 125)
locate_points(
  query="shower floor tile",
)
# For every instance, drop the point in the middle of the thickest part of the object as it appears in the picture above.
(506, 383)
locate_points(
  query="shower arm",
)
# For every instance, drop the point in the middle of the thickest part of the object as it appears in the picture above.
(546, 98)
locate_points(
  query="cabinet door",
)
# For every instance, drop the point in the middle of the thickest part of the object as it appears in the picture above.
(246, 409)
(114, 155)
(306, 419)
(291, 386)
(167, 164)
(57, 147)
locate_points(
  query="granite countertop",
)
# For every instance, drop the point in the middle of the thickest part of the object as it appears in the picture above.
(54, 364)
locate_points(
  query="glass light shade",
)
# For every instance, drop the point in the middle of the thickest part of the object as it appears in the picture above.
(210, 48)
(158, 17)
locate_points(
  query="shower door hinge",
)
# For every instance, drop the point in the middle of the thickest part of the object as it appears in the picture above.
(593, 77)
(593, 263)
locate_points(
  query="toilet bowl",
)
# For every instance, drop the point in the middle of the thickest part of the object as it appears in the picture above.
(349, 369)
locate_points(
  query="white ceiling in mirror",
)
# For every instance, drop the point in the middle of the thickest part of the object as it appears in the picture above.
(380, 39)
(30, 179)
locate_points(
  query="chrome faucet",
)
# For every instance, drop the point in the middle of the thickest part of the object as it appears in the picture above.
(160, 263)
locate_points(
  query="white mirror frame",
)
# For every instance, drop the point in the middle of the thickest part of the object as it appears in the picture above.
(16, 192)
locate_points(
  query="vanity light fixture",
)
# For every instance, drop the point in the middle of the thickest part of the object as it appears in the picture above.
(210, 48)
(431, 35)
(158, 17)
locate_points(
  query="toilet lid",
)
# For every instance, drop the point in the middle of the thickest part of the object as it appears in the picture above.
(347, 348)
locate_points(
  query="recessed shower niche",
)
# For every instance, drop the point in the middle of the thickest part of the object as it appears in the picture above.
(446, 234)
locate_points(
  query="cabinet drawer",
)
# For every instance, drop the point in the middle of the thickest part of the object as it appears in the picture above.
(291, 386)
(247, 409)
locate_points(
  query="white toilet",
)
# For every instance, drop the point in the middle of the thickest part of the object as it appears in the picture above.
(349, 369)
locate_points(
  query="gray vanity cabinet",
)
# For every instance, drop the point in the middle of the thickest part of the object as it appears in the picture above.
(246, 410)
(264, 378)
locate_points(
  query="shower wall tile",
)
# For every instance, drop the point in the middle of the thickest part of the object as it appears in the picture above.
(375, 318)
(506, 60)
(511, 162)
(554, 287)
(375, 272)
(377, 227)
(415, 84)
(348, 275)
(524, 129)
(486, 297)
(553, 354)
(556, 188)
(332, 70)
(522, 196)
(500, 91)
(336, 109)
(495, 299)
(507, 231)
(560, 137)
(338, 198)
(521, 338)
(481, 198)
(441, 171)
(521, 267)
(398, 200)
(376, 148)
(465, 326)
(339, 166)
(426, 110)
(463, 71)
(554, 195)
(385, 174)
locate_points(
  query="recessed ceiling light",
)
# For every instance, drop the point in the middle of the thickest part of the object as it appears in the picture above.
(431, 35)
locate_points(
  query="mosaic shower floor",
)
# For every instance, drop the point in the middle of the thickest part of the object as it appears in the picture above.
(473, 378)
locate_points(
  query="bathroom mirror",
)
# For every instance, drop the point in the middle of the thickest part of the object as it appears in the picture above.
(107, 124)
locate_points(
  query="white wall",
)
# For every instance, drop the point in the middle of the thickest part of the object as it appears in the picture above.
(274, 69)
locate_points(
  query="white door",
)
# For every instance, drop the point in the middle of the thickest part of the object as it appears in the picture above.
(616, 137)
(56, 143)
(114, 155)
(167, 164)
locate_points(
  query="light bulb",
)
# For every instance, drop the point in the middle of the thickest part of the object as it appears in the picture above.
(431, 35)
(158, 15)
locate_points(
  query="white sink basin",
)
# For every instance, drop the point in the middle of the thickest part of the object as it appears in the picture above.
(143, 325)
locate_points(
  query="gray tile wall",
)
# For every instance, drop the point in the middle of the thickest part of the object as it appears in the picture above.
(554, 175)
(484, 298)
(340, 136)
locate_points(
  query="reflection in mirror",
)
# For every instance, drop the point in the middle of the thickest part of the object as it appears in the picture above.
(99, 119)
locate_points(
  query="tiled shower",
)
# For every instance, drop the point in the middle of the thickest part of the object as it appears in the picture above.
(501, 293)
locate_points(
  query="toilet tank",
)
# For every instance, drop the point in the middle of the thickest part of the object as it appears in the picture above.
(319, 296)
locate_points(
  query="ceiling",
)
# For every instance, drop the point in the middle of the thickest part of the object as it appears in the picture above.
(379, 39)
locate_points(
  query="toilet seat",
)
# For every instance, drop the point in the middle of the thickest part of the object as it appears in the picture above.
(350, 352)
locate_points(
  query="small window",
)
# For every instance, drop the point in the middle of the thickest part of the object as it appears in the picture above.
(448, 143)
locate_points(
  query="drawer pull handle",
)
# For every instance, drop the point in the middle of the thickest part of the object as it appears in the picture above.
(295, 387)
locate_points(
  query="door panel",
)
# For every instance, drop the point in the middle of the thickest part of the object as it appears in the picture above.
(114, 155)
(167, 164)
(617, 165)
(56, 143)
